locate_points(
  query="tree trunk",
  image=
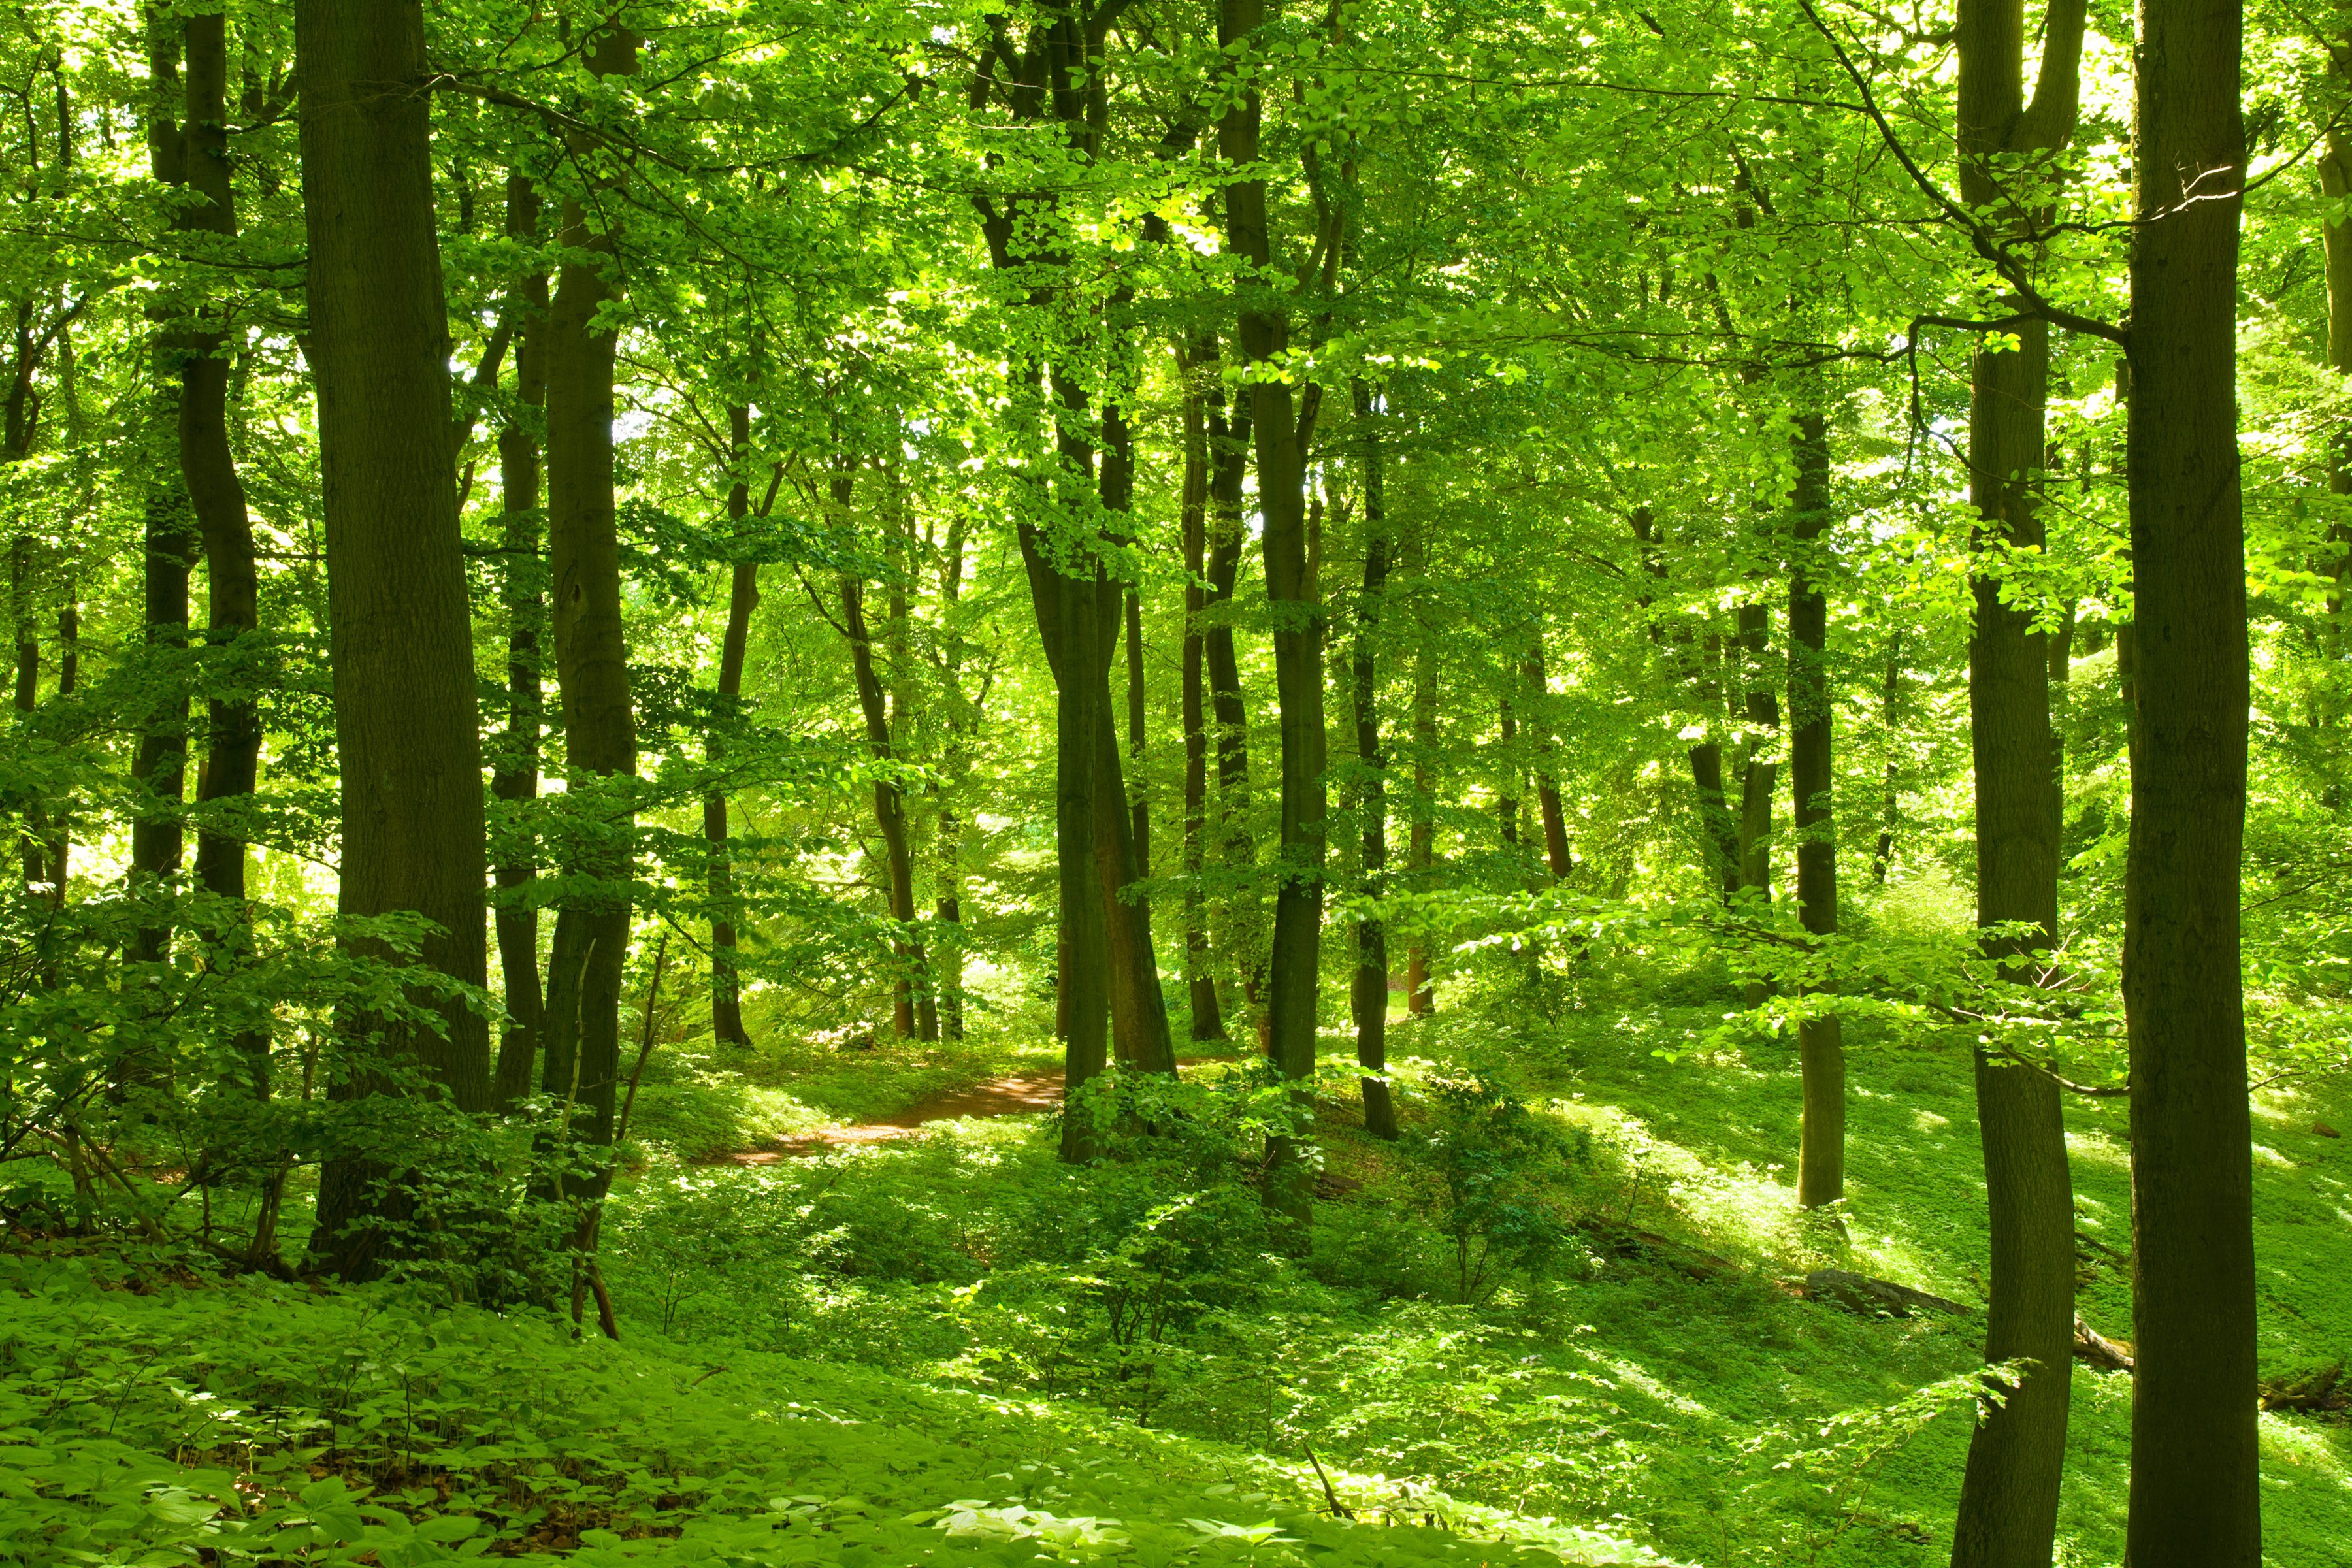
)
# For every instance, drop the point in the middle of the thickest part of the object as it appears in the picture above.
(889, 806)
(169, 544)
(1890, 800)
(2010, 1491)
(1244, 931)
(742, 598)
(1369, 997)
(1821, 1050)
(963, 720)
(1136, 725)
(1421, 844)
(1536, 680)
(1759, 771)
(897, 532)
(1510, 771)
(1279, 429)
(1139, 1009)
(1200, 979)
(522, 576)
(582, 1052)
(401, 642)
(2195, 1496)
(208, 467)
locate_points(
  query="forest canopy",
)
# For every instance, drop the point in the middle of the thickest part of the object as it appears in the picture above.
(1540, 778)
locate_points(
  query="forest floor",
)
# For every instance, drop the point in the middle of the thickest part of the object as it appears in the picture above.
(1605, 1385)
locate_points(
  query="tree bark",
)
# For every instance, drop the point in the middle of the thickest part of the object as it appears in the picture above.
(1820, 1050)
(889, 806)
(208, 467)
(1421, 844)
(1369, 997)
(167, 548)
(1244, 932)
(581, 1065)
(1279, 428)
(2195, 1497)
(742, 598)
(1139, 1032)
(1536, 680)
(402, 634)
(2010, 1491)
(522, 577)
(1200, 978)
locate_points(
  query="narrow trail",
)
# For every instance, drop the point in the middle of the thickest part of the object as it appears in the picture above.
(1016, 1095)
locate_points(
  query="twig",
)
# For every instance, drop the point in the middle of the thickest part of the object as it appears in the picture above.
(1339, 1508)
(645, 1049)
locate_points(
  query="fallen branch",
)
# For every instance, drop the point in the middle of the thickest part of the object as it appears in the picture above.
(1861, 1293)
(2094, 1348)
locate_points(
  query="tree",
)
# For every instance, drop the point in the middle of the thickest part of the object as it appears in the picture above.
(2195, 1495)
(406, 741)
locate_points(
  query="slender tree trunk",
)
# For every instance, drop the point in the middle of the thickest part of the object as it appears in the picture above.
(522, 576)
(889, 806)
(208, 467)
(1139, 1008)
(1760, 771)
(1280, 428)
(2010, 1491)
(1537, 679)
(897, 532)
(1244, 932)
(1135, 730)
(1074, 631)
(581, 1063)
(1200, 978)
(1821, 1051)
(1890, 800)
(168, 546)
(964, 722)
(1510, 771)
(2195, 1497)
(402, 634)
(742, 598)
(1420, 842)
(1369, 997)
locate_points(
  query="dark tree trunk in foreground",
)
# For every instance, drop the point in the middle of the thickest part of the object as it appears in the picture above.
(1200, 979)
(581, 1065)
(1820, 1050)
(401, 638)
(208, 467)
(522, 590)
(2194, 1485)
(2009, 1491)
(1281, 429)
(742, 598)
(1369, 997)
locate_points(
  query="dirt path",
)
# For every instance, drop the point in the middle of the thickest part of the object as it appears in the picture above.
(1017, 1095)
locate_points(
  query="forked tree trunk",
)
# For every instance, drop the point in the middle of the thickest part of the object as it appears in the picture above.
(2195, 1497)
(1369, 997)
(401, 642)
(2010, 1491)
(522, 577)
